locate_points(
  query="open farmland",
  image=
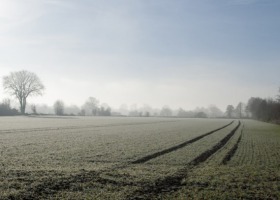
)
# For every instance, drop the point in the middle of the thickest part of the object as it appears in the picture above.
(138, 158)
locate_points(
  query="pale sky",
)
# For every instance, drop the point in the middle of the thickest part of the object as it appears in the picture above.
(180, 53)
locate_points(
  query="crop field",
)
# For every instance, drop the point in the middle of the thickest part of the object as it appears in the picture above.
(138, 158)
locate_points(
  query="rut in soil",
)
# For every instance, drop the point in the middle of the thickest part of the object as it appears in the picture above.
(174, 182)
(174, 148)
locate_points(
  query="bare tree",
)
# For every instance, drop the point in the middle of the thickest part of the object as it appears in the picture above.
(229, 111)
(58, 107)
(82, 113)
(104, 110)
(240, 109)
(34, 109)
(5, 108)
(6, 103)
(23, 84)
(165, 111)
(92, 104)
(214, 111)
(200, 115)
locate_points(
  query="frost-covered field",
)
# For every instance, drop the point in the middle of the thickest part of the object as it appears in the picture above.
(130, 158)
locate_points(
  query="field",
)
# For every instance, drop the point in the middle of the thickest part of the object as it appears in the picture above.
(138, 158)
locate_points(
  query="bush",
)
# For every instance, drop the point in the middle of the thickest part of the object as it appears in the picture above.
(6, 110)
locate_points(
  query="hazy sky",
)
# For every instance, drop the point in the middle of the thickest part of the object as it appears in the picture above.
(185, 53)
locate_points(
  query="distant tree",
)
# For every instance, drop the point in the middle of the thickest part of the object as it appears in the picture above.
(254, 107)
(187, 114)
(108, 111)
(82, 113)
(44, 109)
(239, 110)
(104, 111)
(147, 114)
(272, 111)
(229, 111)
(72, 110)
(145, 109)
(200, 115)
(92, 104)
(166, 112)
(133, 113)
(59, 107)
(246, 110)
(34, 109)
(181, 112)
(6, 103)
(264, 109)
(23, 84)
(5, 108)
(214, 111)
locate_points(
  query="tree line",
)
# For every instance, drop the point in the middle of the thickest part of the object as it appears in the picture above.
(90, 107)
(23, 84)
(257, 108)
(265, 109)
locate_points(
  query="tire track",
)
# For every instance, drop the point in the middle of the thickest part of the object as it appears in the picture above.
(232, 151)
(202, 157)
(174, 182)
(174, 148)
(52, 186)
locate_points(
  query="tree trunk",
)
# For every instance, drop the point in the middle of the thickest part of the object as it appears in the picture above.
(22, 105)
(20, 102)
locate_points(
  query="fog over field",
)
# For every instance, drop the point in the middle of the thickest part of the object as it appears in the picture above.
(139, 99)
(178, 53)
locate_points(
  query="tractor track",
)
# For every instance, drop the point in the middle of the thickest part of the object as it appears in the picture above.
(51, 186)
(174, 182)
(232, 151)
(174, 148)
(160, 153)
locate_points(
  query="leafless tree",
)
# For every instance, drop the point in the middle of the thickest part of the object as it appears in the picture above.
(23, 84)
(5, 108)
(166, 112)
(6, 103)
(214, 111)
(34, 109)
(229, 111)
(58, 107)
(240, 109)
(92, 104)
